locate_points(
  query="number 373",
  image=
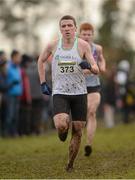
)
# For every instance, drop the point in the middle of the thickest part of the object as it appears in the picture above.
(67, 69)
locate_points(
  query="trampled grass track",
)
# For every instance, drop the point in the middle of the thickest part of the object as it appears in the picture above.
(45, 156)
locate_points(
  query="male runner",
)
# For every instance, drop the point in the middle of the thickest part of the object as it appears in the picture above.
(69, 86)
(93, 84)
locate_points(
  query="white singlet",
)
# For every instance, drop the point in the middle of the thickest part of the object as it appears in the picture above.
(67, 76)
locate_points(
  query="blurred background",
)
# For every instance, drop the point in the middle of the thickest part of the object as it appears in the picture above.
(26, 27)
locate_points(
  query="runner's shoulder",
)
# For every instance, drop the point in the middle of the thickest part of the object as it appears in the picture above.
(98, 47)
(52, 45)
(82, 43)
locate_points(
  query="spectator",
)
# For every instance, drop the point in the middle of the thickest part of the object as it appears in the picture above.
(37, 98)
(109, 99)
(122, 78)
(14, 74)
(3, 89)
(3, 56)
(5, 86)
(25, 103)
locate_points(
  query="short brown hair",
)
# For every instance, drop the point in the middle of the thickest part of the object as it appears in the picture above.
(86, 26)
(68, 17)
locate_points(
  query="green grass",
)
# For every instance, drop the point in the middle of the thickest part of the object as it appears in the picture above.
(45, 156)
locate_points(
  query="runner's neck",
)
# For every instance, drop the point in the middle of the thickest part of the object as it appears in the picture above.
(68, 43)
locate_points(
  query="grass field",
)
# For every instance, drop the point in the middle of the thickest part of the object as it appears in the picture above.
(45, 156)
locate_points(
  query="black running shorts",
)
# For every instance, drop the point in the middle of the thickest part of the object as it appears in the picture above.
(76, 104)
(93, 89)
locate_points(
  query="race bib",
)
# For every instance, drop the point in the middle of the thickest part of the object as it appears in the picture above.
(67, 67)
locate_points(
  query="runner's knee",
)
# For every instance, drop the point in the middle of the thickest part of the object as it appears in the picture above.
(92, 112)
(61, 122)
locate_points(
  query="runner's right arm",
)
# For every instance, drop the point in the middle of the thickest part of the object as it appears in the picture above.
(41, 62)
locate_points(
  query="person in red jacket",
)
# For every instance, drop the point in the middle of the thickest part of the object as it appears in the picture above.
(25, 108)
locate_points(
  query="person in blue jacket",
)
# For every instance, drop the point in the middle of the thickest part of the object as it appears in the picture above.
(4, 87)
(14, 93)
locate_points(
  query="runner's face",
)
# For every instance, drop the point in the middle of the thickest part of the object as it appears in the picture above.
(67, 28)
(86, 35)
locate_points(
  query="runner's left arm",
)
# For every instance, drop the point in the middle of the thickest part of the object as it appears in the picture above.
(101, 61)
(90, 59)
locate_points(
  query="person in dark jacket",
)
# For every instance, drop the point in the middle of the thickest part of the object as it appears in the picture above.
(4, 88)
